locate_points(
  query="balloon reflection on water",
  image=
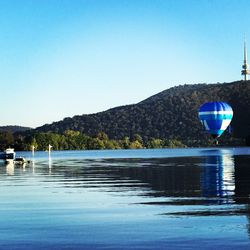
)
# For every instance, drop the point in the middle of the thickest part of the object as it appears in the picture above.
(218, 175)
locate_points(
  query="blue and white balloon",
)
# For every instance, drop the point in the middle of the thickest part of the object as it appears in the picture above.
(216, 117)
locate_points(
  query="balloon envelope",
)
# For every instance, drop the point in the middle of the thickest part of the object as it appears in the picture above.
(215, 116)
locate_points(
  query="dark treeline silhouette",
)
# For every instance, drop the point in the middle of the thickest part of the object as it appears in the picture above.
(172, 113)
(14, 129)
(169, 116)
(74, 140)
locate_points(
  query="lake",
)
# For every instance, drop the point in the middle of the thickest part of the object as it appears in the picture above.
(127, 199)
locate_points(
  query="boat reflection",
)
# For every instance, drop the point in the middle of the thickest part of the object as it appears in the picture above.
(10, 170)
(215, 179)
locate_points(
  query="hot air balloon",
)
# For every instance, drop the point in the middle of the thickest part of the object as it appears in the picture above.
(215, 116)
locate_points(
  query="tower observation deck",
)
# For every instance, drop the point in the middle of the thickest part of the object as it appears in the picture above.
(245, 71)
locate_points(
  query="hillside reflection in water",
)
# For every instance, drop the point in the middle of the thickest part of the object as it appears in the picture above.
(190, 181)
(217, 179)
(173, 202)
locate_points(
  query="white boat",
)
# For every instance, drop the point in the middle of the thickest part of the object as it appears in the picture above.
(21, 160)
(8, 154)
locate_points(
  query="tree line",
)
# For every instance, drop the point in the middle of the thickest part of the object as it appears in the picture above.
(167, 119)
(172, 113)
(75, 140)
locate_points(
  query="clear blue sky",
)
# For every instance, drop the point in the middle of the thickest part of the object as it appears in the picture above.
(60, 58)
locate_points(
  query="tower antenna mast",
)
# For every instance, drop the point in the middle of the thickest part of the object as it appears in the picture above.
(245, 71)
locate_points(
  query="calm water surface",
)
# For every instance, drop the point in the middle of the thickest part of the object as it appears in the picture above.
(127, 199)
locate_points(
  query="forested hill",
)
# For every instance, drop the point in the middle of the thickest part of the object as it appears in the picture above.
(13, 129)
(172, 113)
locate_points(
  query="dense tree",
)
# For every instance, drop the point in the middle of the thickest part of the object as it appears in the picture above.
(155, 143)
(169, 114)
(173, 143)
(125, 142)
(135, 145)
(6, 139)
(167, 119)
(13, 129)
(74, 140)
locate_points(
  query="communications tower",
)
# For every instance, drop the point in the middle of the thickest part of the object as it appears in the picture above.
(245, 71)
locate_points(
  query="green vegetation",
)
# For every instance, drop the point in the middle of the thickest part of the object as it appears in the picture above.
(74, 140)
(13, 129)
(168, 119)
(171, 114)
